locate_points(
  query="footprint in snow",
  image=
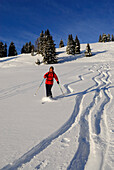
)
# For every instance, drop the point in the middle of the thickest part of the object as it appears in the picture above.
(42, 165)
(65, 142)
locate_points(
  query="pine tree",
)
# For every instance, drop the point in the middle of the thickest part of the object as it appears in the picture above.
(104, 38)
(40, 43)
(108, 38)
(32, 50)
(5, 50)
(12, 50)
(36, 45)
(112, 39)
(47, 33)
(1, 49)
(88, 51)
(26, 48)
(29, 47)
(100, 38)
(61, 44)
(70, 45)
(49, 53)
(77, 46)
(46, 47)
(23, 50)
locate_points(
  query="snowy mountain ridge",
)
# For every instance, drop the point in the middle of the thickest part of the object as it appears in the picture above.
(100, 53)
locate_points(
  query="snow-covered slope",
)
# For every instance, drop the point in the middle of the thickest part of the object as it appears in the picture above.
(73, 132)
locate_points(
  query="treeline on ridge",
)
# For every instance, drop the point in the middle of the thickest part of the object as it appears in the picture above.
(45, 46)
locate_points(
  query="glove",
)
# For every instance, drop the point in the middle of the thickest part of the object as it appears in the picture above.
(57, 82)
(46, 76)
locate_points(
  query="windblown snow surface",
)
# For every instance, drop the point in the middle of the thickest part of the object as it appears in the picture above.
(75, 131)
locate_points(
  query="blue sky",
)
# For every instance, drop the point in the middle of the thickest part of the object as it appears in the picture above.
(23, 20)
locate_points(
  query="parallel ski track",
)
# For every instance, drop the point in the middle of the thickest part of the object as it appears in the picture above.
(101, 111)
(104, 103)
(80, 158)
(15, 90)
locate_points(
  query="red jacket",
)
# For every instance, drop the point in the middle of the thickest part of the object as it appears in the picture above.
(49, 78)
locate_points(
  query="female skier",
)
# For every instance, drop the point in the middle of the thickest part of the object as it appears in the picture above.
(49, 76)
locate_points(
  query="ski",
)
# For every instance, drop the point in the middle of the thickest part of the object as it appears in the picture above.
(47, 100)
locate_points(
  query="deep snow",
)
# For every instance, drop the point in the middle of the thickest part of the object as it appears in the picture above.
(74, 131)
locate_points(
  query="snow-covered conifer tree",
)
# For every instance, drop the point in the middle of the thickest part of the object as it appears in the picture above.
(77, 46)
(46, 47)
(49, 53)
(88, 51)
(40, 43)
(70, 45)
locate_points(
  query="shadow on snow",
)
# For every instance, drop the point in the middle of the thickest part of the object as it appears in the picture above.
(8, 59)
(69, 58)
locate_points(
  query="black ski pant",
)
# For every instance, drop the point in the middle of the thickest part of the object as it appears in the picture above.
(48, 90)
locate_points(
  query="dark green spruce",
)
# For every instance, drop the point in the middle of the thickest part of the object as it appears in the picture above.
(77, 45)
(46, 47)
(61, 44)
(3, 50)
(70, 49)
(12, 50)
(88, 51)
(26, 48)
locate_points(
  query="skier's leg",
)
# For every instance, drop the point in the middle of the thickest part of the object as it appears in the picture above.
(47, 90)
(50, 92)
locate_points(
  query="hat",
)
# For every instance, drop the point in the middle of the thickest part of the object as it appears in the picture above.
(51, 68)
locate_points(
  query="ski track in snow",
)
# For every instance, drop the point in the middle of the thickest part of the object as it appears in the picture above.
(46, 142)
(88, 131)
(81, 156)
(15, 90)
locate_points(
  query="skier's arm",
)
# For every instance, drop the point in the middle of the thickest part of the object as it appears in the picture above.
(46, 75)
(56, 78)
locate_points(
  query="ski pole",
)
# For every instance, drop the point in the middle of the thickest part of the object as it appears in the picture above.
(39, 87)
(61, 89)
